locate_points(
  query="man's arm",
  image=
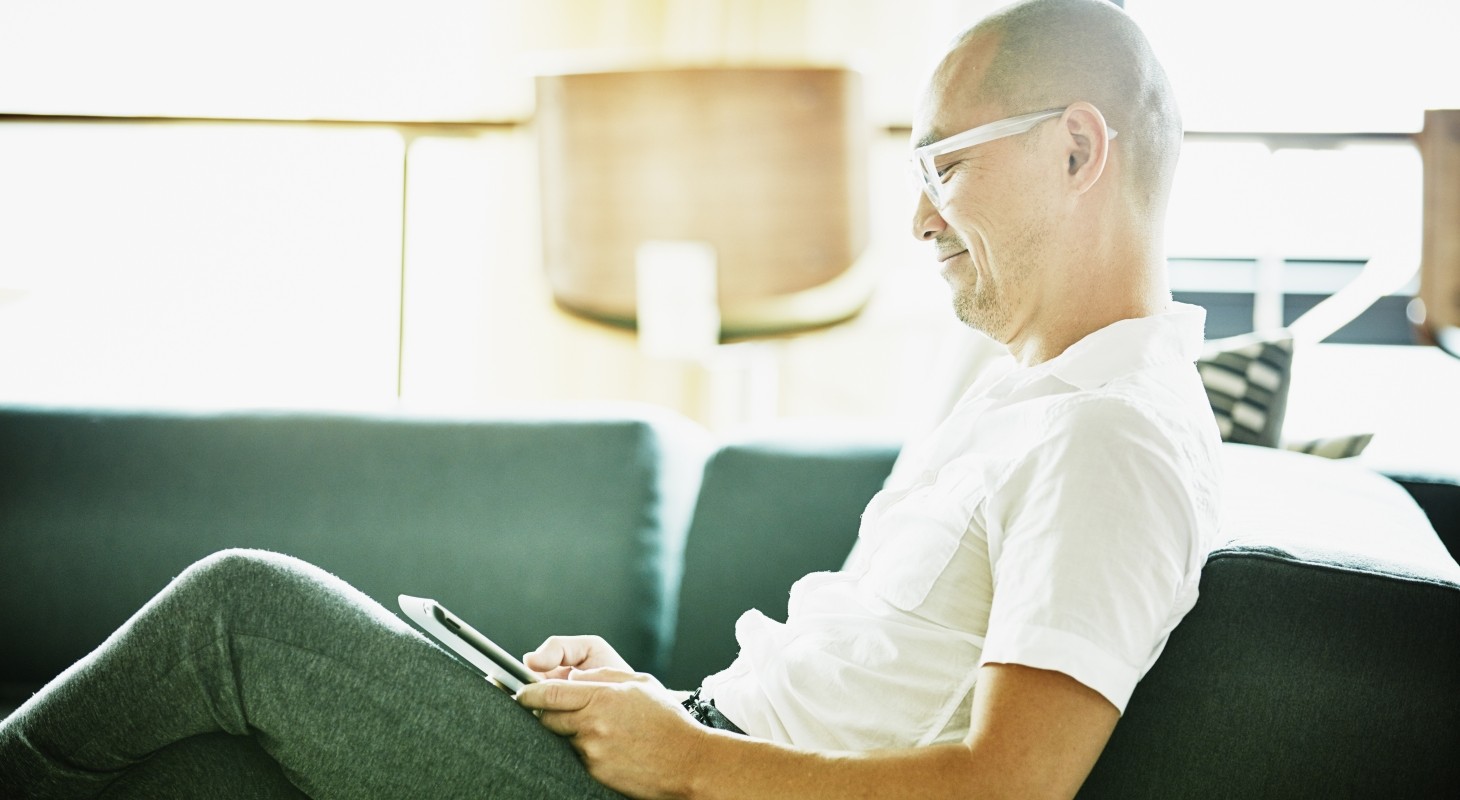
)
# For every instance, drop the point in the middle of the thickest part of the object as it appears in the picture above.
(1034, 734)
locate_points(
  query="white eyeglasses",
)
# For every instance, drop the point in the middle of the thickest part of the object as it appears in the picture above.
(925, 159)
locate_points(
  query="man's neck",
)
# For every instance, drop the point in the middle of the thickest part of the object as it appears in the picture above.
(1114, 293)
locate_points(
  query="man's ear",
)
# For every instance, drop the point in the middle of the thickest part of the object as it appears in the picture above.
(1087, 145)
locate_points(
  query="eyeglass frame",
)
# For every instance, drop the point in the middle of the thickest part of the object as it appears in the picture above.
(922, 158)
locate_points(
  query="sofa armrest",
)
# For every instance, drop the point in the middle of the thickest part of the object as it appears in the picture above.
(1319, 659)
(772, 508)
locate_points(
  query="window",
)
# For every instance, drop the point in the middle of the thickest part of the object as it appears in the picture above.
(151, 263)
(1298, 166)
(1261, 235)
(1305, 65)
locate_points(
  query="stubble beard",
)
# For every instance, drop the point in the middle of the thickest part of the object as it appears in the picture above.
(977, 307)
(987, 304)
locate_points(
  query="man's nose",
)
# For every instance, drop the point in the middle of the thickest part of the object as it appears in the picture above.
(927, 222)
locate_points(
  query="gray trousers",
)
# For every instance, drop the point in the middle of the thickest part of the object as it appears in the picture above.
(254, 675)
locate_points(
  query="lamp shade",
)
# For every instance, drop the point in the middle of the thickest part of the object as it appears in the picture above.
(766, 166)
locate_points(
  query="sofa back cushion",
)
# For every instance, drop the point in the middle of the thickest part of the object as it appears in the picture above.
(773, 507)
(525, 526)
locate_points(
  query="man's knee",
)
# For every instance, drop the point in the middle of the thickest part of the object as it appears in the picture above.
(237, 573)
(239, 563)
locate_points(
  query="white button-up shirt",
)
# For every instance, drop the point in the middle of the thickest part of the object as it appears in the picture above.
(1059, 519)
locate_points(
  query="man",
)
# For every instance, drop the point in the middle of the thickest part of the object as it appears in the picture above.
(1017, 577)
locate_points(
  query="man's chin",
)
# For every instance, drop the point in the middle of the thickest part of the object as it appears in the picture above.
(968, 315)
(977, 315)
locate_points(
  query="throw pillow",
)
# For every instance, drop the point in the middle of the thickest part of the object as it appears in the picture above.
(1332, 446)
(1247, 380)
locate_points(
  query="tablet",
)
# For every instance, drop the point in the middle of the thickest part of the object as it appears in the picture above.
(462, 639)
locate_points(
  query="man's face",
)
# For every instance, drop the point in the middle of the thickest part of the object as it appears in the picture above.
(990, 232)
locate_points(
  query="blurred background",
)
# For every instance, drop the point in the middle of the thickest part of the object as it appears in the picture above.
(340, 204)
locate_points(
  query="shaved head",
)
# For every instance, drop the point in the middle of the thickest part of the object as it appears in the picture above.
(1050, 53)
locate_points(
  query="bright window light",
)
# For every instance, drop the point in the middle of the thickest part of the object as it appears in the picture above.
(1213, 212)
(264, 59)
(198, 263)
(1239, 200)
(1305, 65)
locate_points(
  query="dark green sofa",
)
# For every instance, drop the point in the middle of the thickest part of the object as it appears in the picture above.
(1318, 662)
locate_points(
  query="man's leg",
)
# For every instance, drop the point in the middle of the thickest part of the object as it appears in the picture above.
(343, 696)
(216, 766)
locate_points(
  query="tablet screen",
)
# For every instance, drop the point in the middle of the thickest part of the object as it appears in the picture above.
(467, 642)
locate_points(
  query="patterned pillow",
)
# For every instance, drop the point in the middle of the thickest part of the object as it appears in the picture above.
(1247, 380)
(1332, 446)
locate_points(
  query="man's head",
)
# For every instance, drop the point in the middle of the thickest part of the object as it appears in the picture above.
(1050, 232)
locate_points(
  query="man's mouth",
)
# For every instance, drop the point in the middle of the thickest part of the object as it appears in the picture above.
(945, 256)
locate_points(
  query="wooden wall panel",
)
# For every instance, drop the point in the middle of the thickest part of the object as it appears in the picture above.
(1440, 261)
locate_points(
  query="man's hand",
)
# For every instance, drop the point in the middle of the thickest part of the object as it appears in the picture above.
(560, 655)
(630, 731)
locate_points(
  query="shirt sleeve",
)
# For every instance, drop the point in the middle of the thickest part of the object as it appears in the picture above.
(1094, 539)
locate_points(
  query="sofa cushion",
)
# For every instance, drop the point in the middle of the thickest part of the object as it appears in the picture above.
(527, 526)
(1439, 495)
(774, 506)
(1328, 512)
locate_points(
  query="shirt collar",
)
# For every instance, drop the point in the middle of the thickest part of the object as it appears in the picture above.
(1120, 348)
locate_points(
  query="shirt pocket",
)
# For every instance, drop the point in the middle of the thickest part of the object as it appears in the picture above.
(916, 537)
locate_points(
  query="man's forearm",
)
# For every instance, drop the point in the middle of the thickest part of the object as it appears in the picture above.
(746, 769)
(1035, 734)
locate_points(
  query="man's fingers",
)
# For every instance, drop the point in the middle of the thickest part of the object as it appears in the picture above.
(556, 695)
(551, 654)
(558, 722)
(603, 675)
(560, 651)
